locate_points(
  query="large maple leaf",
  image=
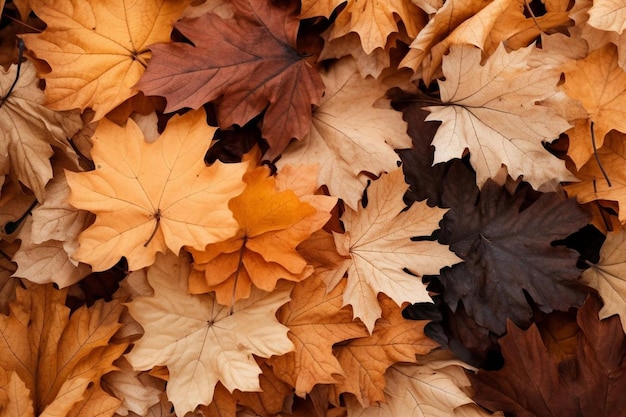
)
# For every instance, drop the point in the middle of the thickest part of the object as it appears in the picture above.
(98, 49)
(378, 242)
(274, 218)
(200, 341)
(316, 321)
(57, 356)
(29, 129)
(492, 110)
(148, 197)
(534, 382)
(508, 255)
(349, 135)
(245, 64)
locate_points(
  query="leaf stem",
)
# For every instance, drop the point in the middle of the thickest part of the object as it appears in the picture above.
(157, 216)
(532, 15)
(11, 227)
(595, 153)
(20, 52)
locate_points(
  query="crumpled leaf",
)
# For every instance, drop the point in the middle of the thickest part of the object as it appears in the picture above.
(273, 221)
(30, 129)
(56, 355)
(491, 110)
(98, 50)
(246, 65)
(508, 254)
(365, 359)
(534, 383)
(608, 276)
(200, 341)
(378, 241)
(316, 322)
(349, 136)
(151, 197)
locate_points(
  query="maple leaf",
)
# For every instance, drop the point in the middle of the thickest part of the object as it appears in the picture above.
(599, 84)
(247, 64)
(365, 359)
(98, 50)
(148, 197)
(608, 276)
(378, 241)
(608, 15)
(491, 110)
(349, 136)
(273, 220)
(14, 396)
(593, 185)
(30, 128)
(57, 356)
(533, 383)
(508, 255)
(138, 390)
(200, 341)
(316, 321)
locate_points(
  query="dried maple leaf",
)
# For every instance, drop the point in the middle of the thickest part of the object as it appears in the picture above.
(492, 110)
(608, 15)
(138, 390)
(378, 241)
(148, 197)
(247, 64)
(349, 136)
(608, 276)
(534, 383)
(98, 50)
(508, 255)
(599, 84)
(58, 356)
(200, 341)
(273, 220)
(316, 322)
(593, 185)
(29, 129)
(365, 359)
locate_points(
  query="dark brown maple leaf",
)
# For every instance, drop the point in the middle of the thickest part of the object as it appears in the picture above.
(536, 382)
(245, 64)
(508, 255)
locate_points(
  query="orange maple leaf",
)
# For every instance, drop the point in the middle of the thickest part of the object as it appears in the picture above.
(273, 220)
(148, 197)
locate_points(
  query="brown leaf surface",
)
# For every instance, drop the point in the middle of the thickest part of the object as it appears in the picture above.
(98, 50)
(247, 64)
(151, 197)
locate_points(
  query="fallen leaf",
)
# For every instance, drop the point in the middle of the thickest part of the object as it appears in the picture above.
(246, 65)
(98, 50)
(151, 197)
(200, 341)
(15, 399)
(378, 240)
(492, 110)
(509, 256)
(349, 135)
(316, 321)
(608, 15)
(138, 391)
(365, 359)
(30, 129)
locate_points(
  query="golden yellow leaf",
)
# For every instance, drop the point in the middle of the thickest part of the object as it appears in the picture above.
(98, 50)
(150, 197)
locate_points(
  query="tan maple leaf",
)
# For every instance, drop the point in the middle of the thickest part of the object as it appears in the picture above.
(365, 359)
(148, 197)
(200, 341)
(608, 276)
(275, 214)
(58, 356)
(316, 321)
(29, 129)
(349, 135)
(378, 241)
(98, 50)
(492, 110)
(608, 15)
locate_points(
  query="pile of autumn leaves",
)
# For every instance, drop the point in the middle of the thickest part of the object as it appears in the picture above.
(246, 290)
